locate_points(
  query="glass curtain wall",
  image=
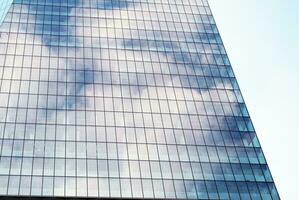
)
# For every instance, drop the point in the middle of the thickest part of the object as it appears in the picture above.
(123, 98)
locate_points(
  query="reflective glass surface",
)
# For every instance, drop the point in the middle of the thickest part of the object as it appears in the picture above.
(123, 98)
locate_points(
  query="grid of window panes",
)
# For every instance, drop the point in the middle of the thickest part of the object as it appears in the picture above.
(123, 98)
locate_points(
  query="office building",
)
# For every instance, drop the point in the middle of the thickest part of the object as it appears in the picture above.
(123, 99)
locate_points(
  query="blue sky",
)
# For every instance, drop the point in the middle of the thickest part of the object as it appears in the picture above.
(262, 41)
(4, 6)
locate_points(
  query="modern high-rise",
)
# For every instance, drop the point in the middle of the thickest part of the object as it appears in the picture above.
(122, 99)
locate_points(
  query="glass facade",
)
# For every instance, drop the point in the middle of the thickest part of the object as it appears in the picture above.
(123, 99)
